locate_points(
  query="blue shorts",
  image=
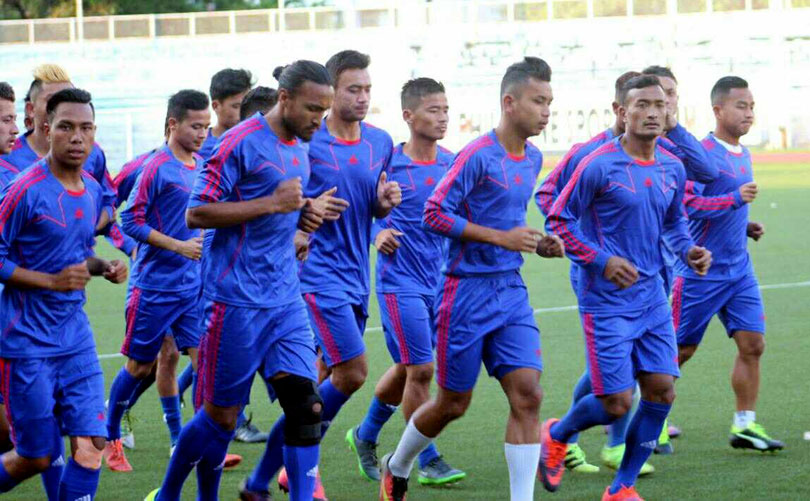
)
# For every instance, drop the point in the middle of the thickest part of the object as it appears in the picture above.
(239, 341)
(150, 315)
(737, 302)
(407, 321)
(620, 345)
(484, 318)
(34, 387)
(339, 322)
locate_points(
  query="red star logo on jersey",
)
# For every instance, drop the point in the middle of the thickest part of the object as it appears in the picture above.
(518, 179)
(648, 182)
(430, 181)
(295, 161)
(353, 160)
(78, 214)
(742, 170)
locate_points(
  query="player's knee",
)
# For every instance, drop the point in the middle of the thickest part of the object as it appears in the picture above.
(139, 370)
(753, 346)
(527, 399)
(303, 409)
(618, 405)
(420, 375)
(168, 357)
(452, 406)
(33, 466)
(350, 379)
(89, 451)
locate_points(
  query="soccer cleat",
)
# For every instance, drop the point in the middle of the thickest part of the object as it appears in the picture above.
(612, 458)
(231, 461)
(438, 472)
(624, 494)
(284, 485)
(366, 453)
(171, 450)
(392, 488)
(754, 437)
(664, 445)
(152, 496)
(249, 434)
(673, 431)
(127, 436)
(247, 495)
(116, 459)
(552, 458)
(575, 460)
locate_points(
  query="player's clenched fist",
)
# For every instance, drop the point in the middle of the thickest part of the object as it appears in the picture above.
(550, 246)
(748, 192)
(620, 272)
(72, 278)
(287, 197)
(755, 230)
(386, 241)
(311, 217)
(521, 239)
(389, 194)
(116, 271)
(301, 242)
(700, 259)
(191, 248)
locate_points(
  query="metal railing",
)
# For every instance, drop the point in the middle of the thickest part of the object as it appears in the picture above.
(391, 14)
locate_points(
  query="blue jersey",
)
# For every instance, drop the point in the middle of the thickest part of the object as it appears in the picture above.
(251, 264)
(23, 156)
(123, 183)
(45, 228)
(208, 145)
(616, 205)
(487, 186)
(158, 202)
(8, 171)
(339, 251)
(415, 266)
(718, 218)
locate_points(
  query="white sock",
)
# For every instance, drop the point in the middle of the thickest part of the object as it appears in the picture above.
(743, 418)
(522, 460)
(408, 449)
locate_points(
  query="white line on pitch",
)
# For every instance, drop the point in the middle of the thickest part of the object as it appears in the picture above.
(553, 309)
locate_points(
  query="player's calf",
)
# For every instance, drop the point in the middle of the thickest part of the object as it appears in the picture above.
(88, 451)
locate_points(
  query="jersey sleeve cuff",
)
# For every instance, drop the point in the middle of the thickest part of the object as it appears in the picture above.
(600, 262)
(738, 201)
(7, 268)
(457, 228)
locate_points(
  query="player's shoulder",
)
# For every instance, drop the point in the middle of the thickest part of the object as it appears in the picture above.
(709, 144)
(28, 180)
(480, 147)
(90, 182)
(444, 156)
(375, 134)
(665, 155)
(240, 134)
(8, 166)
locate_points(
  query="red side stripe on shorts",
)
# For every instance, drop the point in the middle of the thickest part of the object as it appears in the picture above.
(593, 362)
(677, 297)
(393, 312)
(132, 314)
(5, 385)
(323, 327)
(212, 342)
(443, 327)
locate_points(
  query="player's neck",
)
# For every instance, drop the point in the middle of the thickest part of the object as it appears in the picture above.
(348, 131)
(723, 135)
(218, 129)
(639, 148)
(273, 118)
(513, 142)
(69, 176)
(617, 129)
(38, 141)
(420, 149)
(181, 153)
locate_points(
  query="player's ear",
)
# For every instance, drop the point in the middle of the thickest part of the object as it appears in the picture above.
(718, 111)
(407, 116)
(216, 105)
(616, 107)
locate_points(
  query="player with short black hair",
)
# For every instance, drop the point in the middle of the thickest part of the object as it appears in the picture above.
(48, 217)
(482, 312)
(228, 88)
(8, 132)
(259, 100)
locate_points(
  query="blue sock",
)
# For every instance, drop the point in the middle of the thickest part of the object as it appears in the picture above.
(171, 412)
(209, 471)
(584, 414)
(273, 456)
(582, 389)
(618, 429)
(241, 418)
(53, 475)
(299, 461)
(7, 482)
(196, 400)
(378, 414)
(642, 436)
(121, 391)
(200, 434)
(185, 379)
(78, 482)
(428, 454)
(144, 385)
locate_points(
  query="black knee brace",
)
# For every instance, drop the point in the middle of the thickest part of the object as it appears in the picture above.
(302, 407)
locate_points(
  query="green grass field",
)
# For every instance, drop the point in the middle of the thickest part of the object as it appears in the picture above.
(703, 467)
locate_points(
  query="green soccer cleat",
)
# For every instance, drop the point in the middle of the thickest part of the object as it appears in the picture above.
(754, 437)
(152, 496)
(438, 472)
(576, 462)
(612, 458)
(366, 453)
(127, 435)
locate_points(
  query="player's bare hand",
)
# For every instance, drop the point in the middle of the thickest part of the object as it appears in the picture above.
(311, 217)
(332, 206)
(755, 230)
(748, 192)
(301, 242)
(620, 272)
(71, 278)
(389, 194)
(191, 248)
(671, 119)
(386, 241)
(116, 271)
(550, 246)
(287, 197)
(521, 239)
(700, 259)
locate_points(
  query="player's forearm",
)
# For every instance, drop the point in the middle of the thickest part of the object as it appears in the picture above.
(381, 212)
(224, 214)
(693, 155)
(700, 207)
(30, 279)
(104, 219)
(476, 233)
(163, 241)
(578, 248)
